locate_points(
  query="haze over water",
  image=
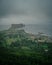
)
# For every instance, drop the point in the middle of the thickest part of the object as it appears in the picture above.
(33, 28)
(36, 12)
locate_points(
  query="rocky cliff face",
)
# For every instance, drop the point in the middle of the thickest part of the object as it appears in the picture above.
(17, 25)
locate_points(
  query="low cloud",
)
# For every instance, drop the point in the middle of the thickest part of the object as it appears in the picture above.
(25, 11)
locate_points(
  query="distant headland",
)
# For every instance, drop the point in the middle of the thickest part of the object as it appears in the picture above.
(14, 26)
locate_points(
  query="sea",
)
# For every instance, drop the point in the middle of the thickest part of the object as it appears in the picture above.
(33, 28)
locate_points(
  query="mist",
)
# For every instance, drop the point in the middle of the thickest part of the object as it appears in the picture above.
(25, 11)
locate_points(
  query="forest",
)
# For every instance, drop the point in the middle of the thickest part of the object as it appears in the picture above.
(17, 49)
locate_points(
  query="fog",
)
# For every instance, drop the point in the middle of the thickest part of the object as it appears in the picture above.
(25, 11)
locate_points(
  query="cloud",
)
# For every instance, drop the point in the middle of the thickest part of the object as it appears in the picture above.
(28, 10)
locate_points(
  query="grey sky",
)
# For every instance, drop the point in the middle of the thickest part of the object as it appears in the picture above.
(25, 11)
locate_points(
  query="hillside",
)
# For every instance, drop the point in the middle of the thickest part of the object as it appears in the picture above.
(21, 48)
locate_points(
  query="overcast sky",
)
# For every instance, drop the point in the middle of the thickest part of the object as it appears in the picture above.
(25, 11)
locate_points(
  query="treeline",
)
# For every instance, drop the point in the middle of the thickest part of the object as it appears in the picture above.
(13, 54)
(6, 58)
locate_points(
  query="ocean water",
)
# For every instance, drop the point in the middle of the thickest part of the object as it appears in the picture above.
(33, 28)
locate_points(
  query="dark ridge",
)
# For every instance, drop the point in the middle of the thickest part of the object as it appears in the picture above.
(17, 25)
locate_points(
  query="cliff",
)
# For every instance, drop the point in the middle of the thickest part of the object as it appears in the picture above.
(17, 26)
